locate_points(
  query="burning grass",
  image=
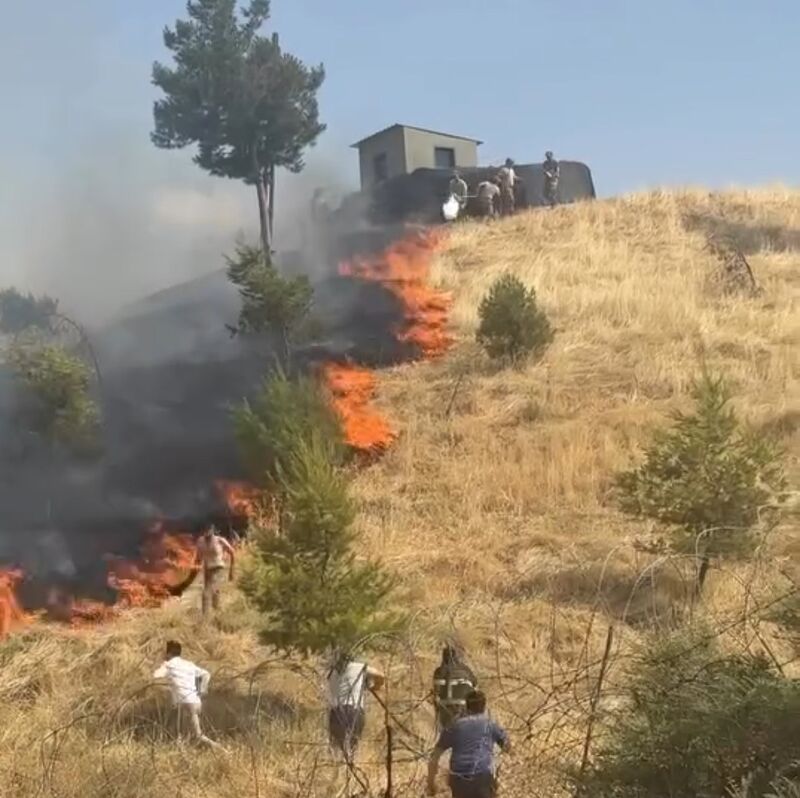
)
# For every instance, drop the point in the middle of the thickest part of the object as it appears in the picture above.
(352, 390)
(11, 614)
(404, 268)
(492, 505)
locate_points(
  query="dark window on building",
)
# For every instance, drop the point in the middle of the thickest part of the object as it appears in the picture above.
(444, 157)
(380, 166)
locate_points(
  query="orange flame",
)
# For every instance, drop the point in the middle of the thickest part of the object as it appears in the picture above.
(166, 561)
(11, 614)
(403, 268)
(167, 556)
(352, 388)
(242, 499)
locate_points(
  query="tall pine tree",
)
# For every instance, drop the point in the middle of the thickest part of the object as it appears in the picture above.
(250, 107)
(307, 576)
(307, 579)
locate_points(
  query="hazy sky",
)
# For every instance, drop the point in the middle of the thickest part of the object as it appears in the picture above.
(647, 92)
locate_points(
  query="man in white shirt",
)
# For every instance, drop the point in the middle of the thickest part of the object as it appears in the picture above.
(348, 682)
(211, 551)
(187, 683)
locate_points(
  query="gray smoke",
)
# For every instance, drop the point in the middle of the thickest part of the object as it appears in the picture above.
(125, 220)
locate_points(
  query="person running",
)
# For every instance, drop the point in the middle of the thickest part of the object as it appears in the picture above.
(348, 682)
(187, 683)
(211, 551)
(471, 741)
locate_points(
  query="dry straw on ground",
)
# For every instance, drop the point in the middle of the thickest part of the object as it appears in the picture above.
(493, 508)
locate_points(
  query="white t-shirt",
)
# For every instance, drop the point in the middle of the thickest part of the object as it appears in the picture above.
(348, 688)
(187, 682)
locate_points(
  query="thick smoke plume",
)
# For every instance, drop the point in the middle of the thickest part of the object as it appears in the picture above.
(122, 221)
(170, 368)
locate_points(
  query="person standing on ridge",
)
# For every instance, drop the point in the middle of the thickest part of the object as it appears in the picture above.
(187, 683)
(507, 180)
(552, 174)
(453, 681)
(471, 741)
(458, 189)
(348, 682)
(211, 551)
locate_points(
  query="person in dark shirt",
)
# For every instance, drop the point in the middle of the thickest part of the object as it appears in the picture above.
(471, 741)
(552, 174)
(453, 681)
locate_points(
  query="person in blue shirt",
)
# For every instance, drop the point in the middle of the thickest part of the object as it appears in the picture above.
(471, 741)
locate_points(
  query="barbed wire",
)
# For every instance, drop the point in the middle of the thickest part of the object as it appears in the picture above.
(547, 708)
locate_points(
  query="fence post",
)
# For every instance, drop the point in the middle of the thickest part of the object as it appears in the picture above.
(593, 710)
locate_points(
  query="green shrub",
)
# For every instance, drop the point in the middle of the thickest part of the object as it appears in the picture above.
(270, 303)
(56, 404)
(695, 722)
(512, 326)
(284, 415)
(707, 477)
(20, 312)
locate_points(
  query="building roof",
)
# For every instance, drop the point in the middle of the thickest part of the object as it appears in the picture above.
(412, 127)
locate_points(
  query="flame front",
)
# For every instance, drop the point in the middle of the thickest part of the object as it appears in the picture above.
(242, 499)
(404, 269)
(351, 389)
(11, 614)
(166, 563)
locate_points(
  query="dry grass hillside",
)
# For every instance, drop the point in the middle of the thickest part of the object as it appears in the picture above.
(494, 509)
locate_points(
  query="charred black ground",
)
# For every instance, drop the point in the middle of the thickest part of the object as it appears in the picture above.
(171, 371)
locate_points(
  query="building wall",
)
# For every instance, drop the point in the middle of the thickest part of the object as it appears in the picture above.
(392, 142)
(420, 145)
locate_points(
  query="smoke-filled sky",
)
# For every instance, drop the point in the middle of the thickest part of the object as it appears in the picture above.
(646, 92)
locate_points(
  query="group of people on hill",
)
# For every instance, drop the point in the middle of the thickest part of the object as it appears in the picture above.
(463, 726)
(497, 195)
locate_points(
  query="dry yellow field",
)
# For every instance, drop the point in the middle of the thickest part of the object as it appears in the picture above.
(493, 508)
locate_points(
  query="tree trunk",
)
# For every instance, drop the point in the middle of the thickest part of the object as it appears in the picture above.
(271, 208)
(263, 216)
(705, 564)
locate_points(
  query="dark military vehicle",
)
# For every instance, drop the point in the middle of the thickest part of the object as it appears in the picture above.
(419, 196)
